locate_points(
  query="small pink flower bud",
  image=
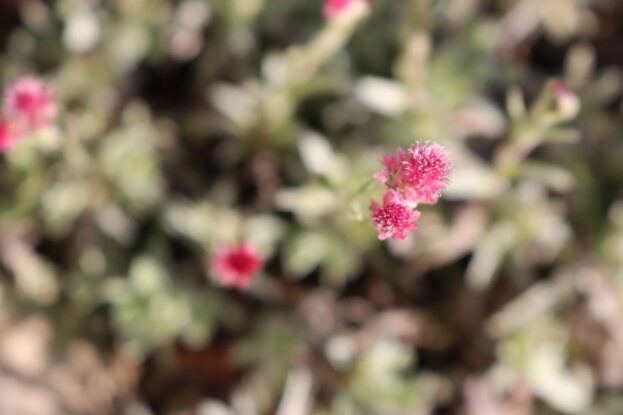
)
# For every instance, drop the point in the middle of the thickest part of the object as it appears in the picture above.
(31, 103)
(395, 218)
(567, 102)
(235, 267)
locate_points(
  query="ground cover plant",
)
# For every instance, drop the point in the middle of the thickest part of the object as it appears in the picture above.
(297, 207)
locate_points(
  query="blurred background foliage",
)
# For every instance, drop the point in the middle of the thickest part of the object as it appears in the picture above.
(191, 124)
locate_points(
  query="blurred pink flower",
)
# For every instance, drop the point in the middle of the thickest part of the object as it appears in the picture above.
(31, 103)
(333, 8)
(235, 267)
(425, 172)
(395, 218)
(8, 135)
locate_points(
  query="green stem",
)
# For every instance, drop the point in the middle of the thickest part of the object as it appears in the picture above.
(361, 189)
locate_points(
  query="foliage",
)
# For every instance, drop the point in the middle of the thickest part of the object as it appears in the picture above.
(190, 125)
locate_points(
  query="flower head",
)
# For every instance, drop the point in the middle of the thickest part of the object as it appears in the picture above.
(235, 267)
(31, 103)
(8, 135)
(409, 178)
(425, 172)
(395, 218)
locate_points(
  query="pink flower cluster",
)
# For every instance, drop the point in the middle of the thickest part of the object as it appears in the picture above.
(236, 266)
(410, 178)
(29, 105)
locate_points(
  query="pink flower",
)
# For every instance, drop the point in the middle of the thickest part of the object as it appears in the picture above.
(8, 135)
(235, 267)
(425, 172)
(419, 175)
(395, 218)
(31, 103)
(409, 178)
(333, 8)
